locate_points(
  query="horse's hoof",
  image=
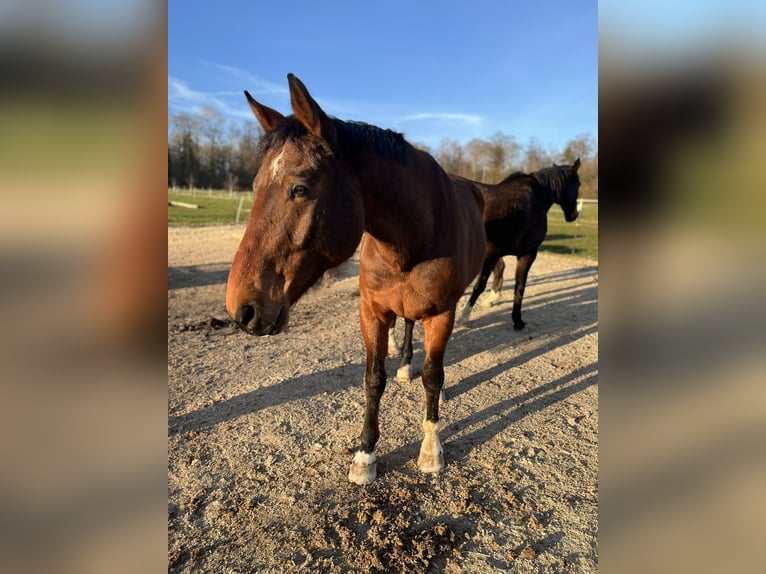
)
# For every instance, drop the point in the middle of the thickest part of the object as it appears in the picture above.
(518, 326)
(403, 373)
(364, 468)
(493, 297)
(431, 462)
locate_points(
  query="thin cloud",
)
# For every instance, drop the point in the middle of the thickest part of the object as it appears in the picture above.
(472, 119)
(254, 84)
(184, 98)
(180, 90)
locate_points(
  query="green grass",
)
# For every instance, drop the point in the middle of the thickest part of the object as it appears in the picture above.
(578, 238)
(216, 207)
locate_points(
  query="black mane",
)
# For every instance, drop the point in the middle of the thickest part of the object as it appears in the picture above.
(351, 136)
(554, 178)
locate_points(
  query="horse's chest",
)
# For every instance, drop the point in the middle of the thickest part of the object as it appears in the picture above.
(418, 293)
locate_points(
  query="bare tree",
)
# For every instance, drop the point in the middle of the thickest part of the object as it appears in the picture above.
(204, 150)
(183, 149)
(450, 156)
(478, 154)
(231, 180)
(581, 147)
(211, 125)
(247, 139)
(536, 156)
(502, 155)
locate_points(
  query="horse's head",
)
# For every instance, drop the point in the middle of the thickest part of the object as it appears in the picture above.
(567, 195)
(306, 217)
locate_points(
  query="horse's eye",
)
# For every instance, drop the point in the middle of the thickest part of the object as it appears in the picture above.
(299, 191)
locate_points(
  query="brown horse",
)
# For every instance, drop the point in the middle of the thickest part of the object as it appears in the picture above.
(321, 183)
(516, 222)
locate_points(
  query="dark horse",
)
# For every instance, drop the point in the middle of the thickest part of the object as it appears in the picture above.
(320, 184)
(515, 221)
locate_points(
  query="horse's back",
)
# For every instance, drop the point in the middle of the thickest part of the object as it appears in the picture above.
(515, 221)
(468, 188)
(515, 195)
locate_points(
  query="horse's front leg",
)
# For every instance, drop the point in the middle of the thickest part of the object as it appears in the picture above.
(478, 289)
(523, 264)
(437, 331)
(375, 333)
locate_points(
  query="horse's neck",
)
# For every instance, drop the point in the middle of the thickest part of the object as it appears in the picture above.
(403, 230)
(545, 192)
(397, 212)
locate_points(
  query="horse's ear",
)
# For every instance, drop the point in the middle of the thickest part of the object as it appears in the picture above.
(267, 117)
(308, 112)
(576, 163)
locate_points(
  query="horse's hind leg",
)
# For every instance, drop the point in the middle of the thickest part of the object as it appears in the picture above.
(497, 281)
(375, 332)
(478, 289)
(404, 372)
(394, 350)
(523, 264)
(436, 334)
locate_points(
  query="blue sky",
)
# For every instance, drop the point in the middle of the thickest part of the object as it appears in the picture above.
(430, 69)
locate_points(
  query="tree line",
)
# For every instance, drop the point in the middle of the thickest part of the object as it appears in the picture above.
(207, 152)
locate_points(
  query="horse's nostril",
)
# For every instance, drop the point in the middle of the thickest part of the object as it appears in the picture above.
(245, 314)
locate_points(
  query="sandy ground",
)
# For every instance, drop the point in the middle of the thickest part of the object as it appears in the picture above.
(260, 431)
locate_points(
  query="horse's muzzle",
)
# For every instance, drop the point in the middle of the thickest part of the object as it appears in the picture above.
(571, 216)
(250, 319)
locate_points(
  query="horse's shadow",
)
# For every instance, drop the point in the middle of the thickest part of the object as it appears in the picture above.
(468, 383)
(461, 437)
(495, 326)
(198, 275)
(302, 387)
(577, 305)
(580, 272)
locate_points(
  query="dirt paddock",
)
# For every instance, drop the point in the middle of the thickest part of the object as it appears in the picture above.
(260, 431)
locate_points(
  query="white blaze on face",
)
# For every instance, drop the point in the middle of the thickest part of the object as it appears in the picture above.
(277, 163)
